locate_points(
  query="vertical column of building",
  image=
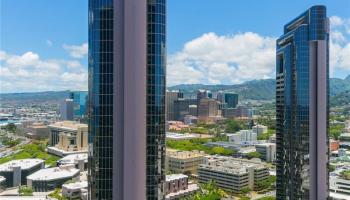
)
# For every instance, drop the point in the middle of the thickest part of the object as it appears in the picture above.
(100, 99)
(156, 72)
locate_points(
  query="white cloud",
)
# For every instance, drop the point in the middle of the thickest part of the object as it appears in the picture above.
(28, 72)
(77, 51)
(339, 44)
(227, 59)
(336, 21)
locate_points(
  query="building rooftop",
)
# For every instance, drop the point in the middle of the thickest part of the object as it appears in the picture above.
(68, 125)
(173, 177)
(265, 144)
(76, 185)
(73, 159)
(190, 188)
(24, 164)
(2, 179)
(64, 171)
(231, 165)
(184, 154)
(179, 136)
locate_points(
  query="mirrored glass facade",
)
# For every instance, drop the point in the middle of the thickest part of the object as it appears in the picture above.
(302, 107)
(156, 72)
(100, 98)
(112, 149)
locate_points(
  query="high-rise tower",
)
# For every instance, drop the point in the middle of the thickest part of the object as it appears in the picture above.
(127, 66)
(302, 92)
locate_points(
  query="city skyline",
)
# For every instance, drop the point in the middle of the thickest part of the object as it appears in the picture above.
(65, 53)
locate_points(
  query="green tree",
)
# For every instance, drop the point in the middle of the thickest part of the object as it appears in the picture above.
(254, 154)
(208, 191)
(25, 191)
(10, 127)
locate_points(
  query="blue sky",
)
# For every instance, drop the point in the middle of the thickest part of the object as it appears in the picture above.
(210, 42)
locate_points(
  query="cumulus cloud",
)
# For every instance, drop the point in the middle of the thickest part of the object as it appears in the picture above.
(339, 44)
(28, 72)
(77, 51)
(227, 59)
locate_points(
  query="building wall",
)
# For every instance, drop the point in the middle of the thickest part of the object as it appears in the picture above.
(302, 107)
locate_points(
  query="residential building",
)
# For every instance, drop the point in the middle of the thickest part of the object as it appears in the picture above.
(127, 70)
(184, 162)
(75, 190)
(232, 174)
(79, 104)
(333, 145)
(177, 187)
(259, 129)
(51, 178)
(171, 97)
(67, 109)
(302, 77)
(267, 150)
(248, 135)
(68, 137)
(16, 171)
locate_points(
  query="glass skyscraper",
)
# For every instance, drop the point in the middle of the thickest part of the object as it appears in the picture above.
(80, 102)
(127, 66)
(302, 92)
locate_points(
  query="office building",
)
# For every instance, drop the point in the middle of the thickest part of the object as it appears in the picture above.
(182, 107)
(51, 178)
(302, 92)
(232, 174)
(267, 150)
(230, 99)
(68, 137)
(127, 66)
(178, 187)
(79, 104)
(171, 97)
(207, 109)
(67, 109)
(184, 162)
(16, 171)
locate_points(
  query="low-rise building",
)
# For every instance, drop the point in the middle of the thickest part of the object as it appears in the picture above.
(177, 186)
(16, 171)
(50, 178)
(184, 162)
(267, 150)
(259, 129)
(37, 131)
(75, 190)
(176, 125)
(232, 174)
(333, 145)
(68, 137)
(80, 161)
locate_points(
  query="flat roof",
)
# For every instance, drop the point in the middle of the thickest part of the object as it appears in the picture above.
(54, 173)
(68, 125)
(23, 163)
(184, 154)
(73, 158)
(173, 177)
(76, 185)
(171, 135)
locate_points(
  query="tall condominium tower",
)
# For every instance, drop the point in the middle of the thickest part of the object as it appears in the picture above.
(302, 107)
(127, 63)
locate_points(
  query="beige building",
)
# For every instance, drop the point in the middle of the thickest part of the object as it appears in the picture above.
(232, 174)
(68, 136)
(37, 131)
(208, 110)
(184, 162)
